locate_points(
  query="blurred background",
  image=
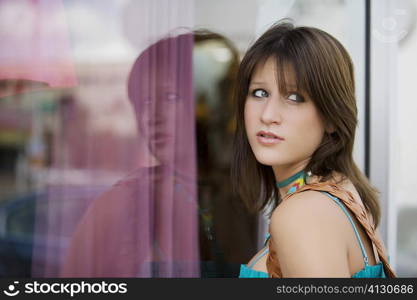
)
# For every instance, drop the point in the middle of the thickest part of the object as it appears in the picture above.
(70, 131)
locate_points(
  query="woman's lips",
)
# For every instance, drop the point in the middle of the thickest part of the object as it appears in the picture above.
(268, 138)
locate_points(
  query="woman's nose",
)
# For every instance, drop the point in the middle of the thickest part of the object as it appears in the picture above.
(272, 111)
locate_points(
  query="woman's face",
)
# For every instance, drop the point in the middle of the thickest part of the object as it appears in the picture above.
(283, 130)
(164, 105)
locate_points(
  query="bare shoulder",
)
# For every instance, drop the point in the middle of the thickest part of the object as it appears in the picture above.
(310, 206)
(309, 233)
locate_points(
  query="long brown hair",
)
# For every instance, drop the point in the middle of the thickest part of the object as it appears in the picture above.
(323, 69)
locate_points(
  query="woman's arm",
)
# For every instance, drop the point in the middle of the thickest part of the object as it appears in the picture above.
(310, 237)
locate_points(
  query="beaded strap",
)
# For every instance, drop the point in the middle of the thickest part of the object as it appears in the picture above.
(357, 209)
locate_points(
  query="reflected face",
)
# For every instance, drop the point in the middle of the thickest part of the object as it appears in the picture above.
(283, 130)
(160, 89)
(156, 106)
(159, 108)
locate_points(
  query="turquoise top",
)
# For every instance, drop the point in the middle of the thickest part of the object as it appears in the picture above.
(368, 271)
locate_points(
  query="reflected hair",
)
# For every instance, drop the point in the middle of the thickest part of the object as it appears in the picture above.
(323, 70)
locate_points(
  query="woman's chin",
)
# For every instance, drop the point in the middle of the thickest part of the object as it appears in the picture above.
(268, 161)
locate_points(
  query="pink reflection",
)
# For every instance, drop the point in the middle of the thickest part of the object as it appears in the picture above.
(34, 46)
(146, 224)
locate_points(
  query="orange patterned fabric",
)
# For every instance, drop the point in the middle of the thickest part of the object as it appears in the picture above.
(359, 212)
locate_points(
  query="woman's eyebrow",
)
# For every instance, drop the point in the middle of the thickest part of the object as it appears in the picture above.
(290, 86)
(257, 83)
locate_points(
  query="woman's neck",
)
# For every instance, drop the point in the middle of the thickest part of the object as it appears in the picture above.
(288, 177)
(292, 183)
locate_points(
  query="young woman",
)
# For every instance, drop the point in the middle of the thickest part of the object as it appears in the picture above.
(296, 122)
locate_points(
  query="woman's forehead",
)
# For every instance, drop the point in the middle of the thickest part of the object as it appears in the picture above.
(283, 72)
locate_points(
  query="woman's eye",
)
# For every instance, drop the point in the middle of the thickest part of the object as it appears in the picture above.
(171, 96)
(147, 100)
(259, 93)
(295, 97)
